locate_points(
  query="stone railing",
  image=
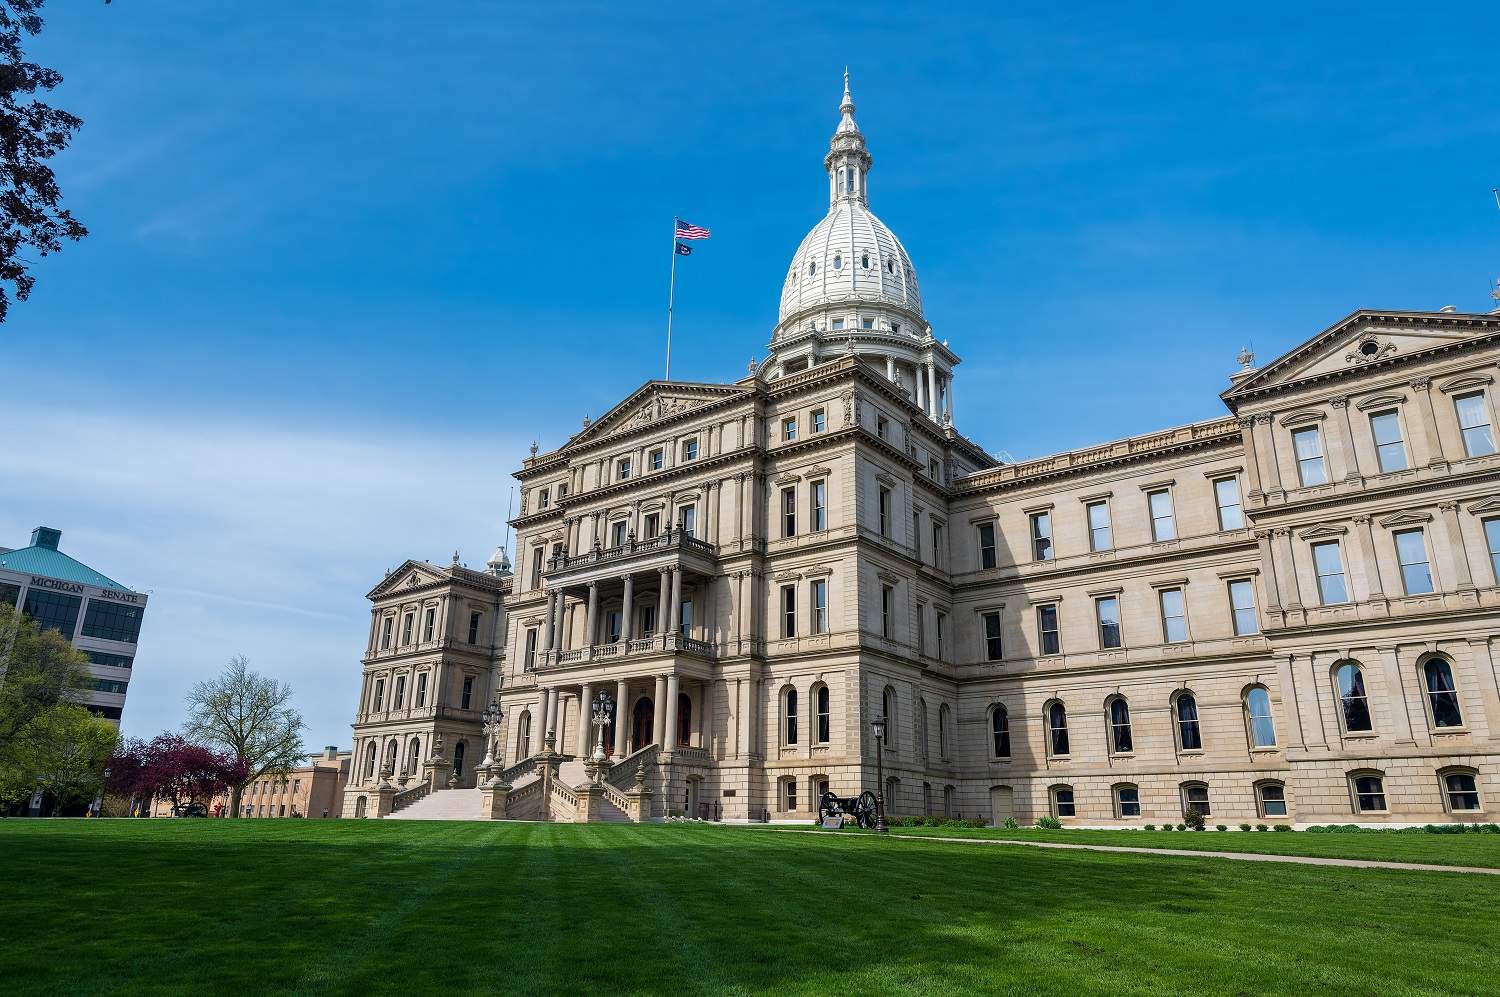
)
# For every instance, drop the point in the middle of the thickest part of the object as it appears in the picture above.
(518, 799)
(564, 803)
(622, 774)
(616, 797)
(411, 794)
(669, 539)
(661, 643)
(688, 753)
(524, 767)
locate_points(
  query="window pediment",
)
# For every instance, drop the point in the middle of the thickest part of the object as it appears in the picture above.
(1323, 531)
(1491, 504)
(787, 478)
(1383, 400)
(1303, 417)
(1406, 517)
(1463, 381)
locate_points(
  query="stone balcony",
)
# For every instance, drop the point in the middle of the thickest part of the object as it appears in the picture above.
(668, 548)
(639, 648)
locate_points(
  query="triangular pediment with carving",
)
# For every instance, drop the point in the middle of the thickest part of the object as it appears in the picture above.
(1322, 530)
(1363, 339)
(1485, 506)
(411, 575)
(653, 402)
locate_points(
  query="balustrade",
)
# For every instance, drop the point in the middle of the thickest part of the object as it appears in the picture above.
(661, 643)
(668, 540)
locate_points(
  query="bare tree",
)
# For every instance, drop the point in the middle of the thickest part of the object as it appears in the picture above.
(252, 718)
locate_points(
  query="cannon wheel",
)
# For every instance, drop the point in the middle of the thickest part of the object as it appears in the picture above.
(828, 804)
(864, 810)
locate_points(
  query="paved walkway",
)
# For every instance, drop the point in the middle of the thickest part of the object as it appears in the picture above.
(1192, 853)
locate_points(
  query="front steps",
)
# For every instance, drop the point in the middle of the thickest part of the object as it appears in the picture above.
(450, 804)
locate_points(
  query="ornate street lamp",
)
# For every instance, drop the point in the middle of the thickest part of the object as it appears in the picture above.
(877, 727)
(604, 709)
(491, 718)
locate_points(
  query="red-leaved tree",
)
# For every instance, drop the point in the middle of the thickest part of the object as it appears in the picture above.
(173, 768)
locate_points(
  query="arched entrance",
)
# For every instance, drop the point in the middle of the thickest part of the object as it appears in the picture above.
(643, 718)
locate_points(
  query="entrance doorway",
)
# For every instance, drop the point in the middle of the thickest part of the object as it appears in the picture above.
(1002, 802)
(644, 718)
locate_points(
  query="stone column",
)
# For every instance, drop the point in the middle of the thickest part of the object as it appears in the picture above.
(658, 712)
(932, 400)
(549, 711)
(1252, 464)
(1273, 590)
(1460, 555)
(948, 399)
(627, 610)
(622, 718)
(1397, 694)
(591, 621)
(547, 626)
(585, 716)
(672, 692)
(1343, 441)
(890, 369)
(1270, 466)
(677, 598)
(1427, 418)
(1297, 728)
(1352, 468)
(1371, 562)
(1291, 585)
(664, 607)
(921, 389)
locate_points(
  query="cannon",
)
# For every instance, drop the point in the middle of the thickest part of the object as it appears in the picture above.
(861, 808)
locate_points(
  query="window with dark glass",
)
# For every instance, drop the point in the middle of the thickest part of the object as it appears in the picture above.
(619, 533)
(1195, 797)
(1057, 727)
(379, 695)
(1062, 802)
(1129, 800)
(1442, 695)
(687, 519)
(536, 569)
(825, 725)
(422, 686)
(52, 610)
(1108, 610)
(788, 611)
(939, 556)
(940, 620)
(1353, 699)
(1000, 732)
(407, 622)
(385, 632)
(819, 493)
(9, 594)
(789, 429)
(653, 525)
(1369, 792)
(467, 698)
(112, 621)
(885, 611)
(1272, 799)
(622, 469)
(400, 693)
(884, 509)
(109, 685)
(648, 621)
(474, 628)
(789, 512)
(110, 660)
(1119, 727)
(993, 651)
(1047, 633)
(1189, 734)
(1041, 536)
(529, 661)
(789, 709)
(612, 624)
(986, 545)
(428, 622)
(791, 794)
(819, 606)
(543, 498)
(1462, 791)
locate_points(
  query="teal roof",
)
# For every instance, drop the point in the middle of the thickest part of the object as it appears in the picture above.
(53, 563)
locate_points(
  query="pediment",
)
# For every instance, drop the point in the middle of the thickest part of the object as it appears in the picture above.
(1323, 530)
(1491, 504)
(1364, 339)
(653, 402)
(411, 575)
(1406, 517)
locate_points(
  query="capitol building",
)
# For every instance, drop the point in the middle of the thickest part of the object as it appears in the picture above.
(1288, 614)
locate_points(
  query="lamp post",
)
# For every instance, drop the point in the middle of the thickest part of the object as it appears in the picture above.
(491, 718)
(877, 726)
(604, 709)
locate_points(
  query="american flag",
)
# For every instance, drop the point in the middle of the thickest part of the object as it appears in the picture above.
(687, 230)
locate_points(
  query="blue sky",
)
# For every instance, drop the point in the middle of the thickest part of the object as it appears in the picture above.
(348, 259)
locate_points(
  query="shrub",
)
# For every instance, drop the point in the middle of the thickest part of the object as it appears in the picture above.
(1282, 827)
(1049, 823)
(1182, 827)
(1221, 827)
(1150, 827)
(1244, 827)
(1194, 820)
(1261, 827)
(1010, 822)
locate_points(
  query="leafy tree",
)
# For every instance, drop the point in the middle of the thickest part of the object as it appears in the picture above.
(171, 767)
(63, 752)
(252, 718)
(31, 133)
(40, 673)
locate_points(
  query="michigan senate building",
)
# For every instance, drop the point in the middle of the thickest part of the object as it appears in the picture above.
(1288, 614)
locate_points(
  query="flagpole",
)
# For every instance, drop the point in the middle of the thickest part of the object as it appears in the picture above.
(671, 293)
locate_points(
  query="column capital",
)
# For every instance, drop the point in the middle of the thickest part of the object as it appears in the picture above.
(594, 584)
(1245, 422)
(1339, 401)
(1264, 420)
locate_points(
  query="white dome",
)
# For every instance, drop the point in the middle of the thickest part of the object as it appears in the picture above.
(850, 257)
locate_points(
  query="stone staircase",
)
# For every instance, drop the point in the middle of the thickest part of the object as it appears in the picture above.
(450, 804)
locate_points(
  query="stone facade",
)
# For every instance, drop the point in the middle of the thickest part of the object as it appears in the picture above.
(1288, 614)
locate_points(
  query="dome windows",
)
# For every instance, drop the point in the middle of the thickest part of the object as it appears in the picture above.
(890, 264)
(838, 262)
(864, 261)
(812, 267)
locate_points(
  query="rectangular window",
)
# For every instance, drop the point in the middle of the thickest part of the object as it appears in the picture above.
(1330, 568)
(1162, 526)
(379, 695)
(819, 505)
(922, 628)
(885, 611)
(110, 660)
(543, 499)
(916, 534)
(1390, 451)
(932, 469)
(1369, 792)
(788, 611)
(422, 679)
(1309, 449)
(474, 628)
(1047, 632)
(385, 633)
(112, 621)
(993, 650)
(109, 685)
(937, 545)
(1196, 798)
(1242, 604)
(687, 518)
(1099, 526)
(658, 459)
(9, 594)
(648, 620)
(838, 323)
(653, 525)
(986, 545)
(884, 500)
(819, 421)
(562, 491)
(788, 429)
(52, 610)
(623, 469)
(789, 512)
(1474, 422)
(407, 622)
(690, 450)
(820, 606)
(1063, 802)
(880, 426)
(1227, 496)
(612, 623)
(536, 569)
(685, 622)
(1130, 801)
(529, 661)
(619, 533)
(429, 621)
(1411, 551)
(400, 692)
(1041, 536)
(1273, 800)
(791, 794)
(1108, 610)
(1492, 541)
(941, 619)
(867, 323)
(467, 699)
(1173, 616)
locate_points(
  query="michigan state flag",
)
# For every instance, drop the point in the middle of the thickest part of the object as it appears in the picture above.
(684, 250)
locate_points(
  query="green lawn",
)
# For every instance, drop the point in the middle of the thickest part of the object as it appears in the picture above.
(316, 907)
(1478, 850)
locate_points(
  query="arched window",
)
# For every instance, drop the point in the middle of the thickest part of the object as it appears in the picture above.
(838, 262)
(789, 716)
(1062, 802)
(825, 731)
(864, 261)
(1272, 799)
(888, 703)
(390, 755)
(684, 718)
(1369, 791)
(948, 801)
(414, 756)
(1189, 734)
(523, 735)
(890, 265)
(891, 785)
(1442, 695)
(1127, 800)
(812, 267)
(943, 731)
(1000, 732)
(1119, 726)
(1057, 728)
(1353, 698)
(1460, 791)
(1195, 797)
(458, 760)
(1262, 726)
(644, 719)
(926, 799)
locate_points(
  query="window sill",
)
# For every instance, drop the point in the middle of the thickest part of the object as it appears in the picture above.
(1361, 736)
(1272, 750)
(1449, 731)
